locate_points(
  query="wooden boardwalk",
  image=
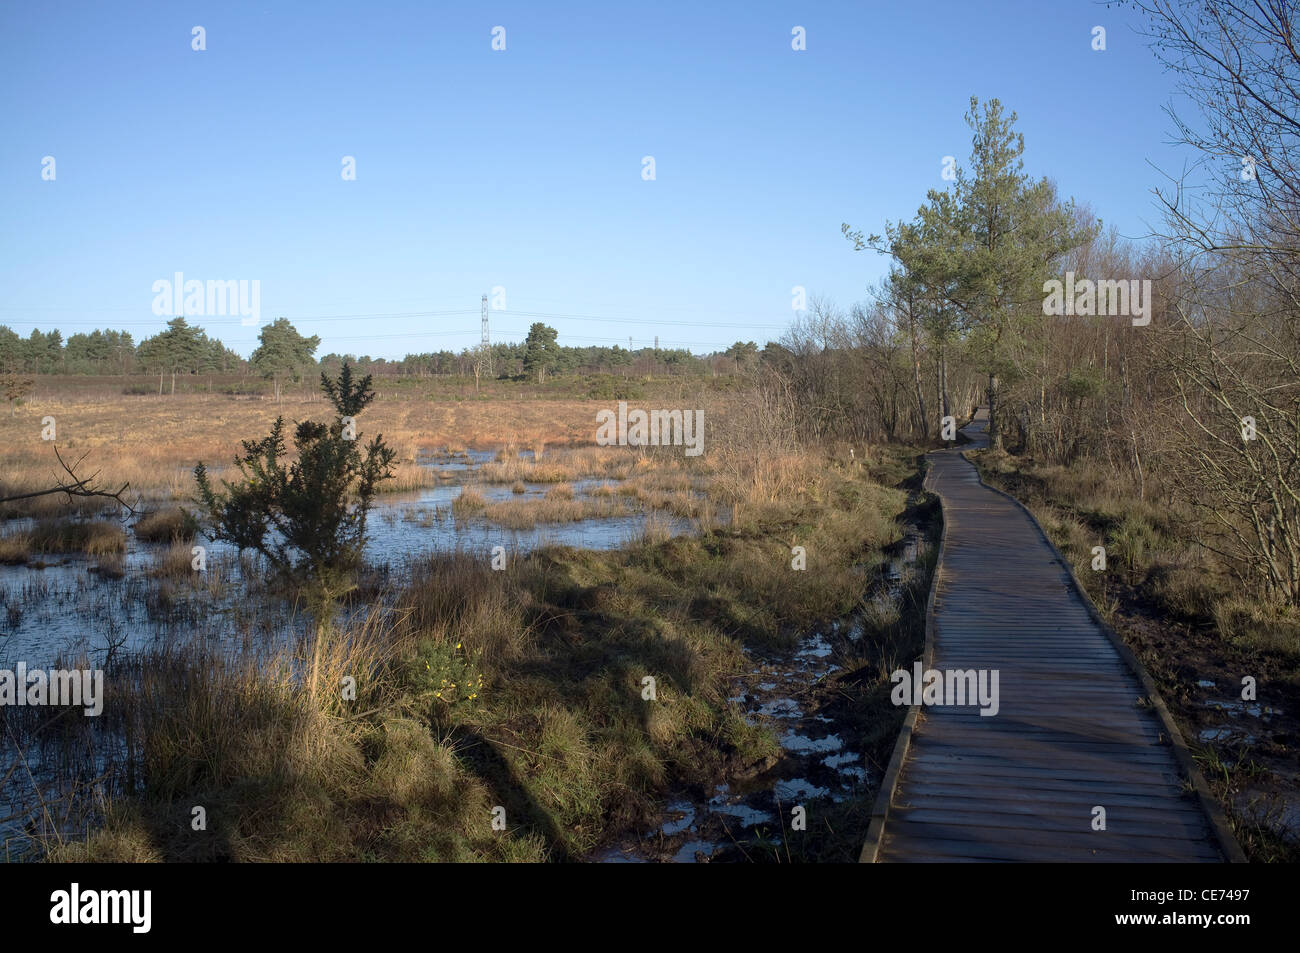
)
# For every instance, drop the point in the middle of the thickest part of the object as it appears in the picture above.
(1079, 724)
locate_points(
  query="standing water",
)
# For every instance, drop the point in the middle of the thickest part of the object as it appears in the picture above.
(820, 762)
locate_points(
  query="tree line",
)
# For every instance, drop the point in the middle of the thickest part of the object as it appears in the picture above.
(285, 354)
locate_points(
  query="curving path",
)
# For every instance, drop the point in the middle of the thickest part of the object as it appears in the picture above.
(1078, 725)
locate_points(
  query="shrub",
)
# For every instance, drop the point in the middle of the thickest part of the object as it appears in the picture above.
(308, 517)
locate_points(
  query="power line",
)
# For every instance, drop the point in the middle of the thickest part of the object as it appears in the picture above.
(218, 323)
(216, 320)
(570, 337)
(655, 321)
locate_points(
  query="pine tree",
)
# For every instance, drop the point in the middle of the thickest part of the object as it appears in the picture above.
(283, 352)
(540, 350)
(179, 348)
(979, 253)
(1012, 230)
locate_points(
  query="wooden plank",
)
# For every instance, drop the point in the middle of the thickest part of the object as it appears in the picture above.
(924, 767)
(995, 785)
(1033, 803)
(1051, 754)
(1067, 819)
(970, 837)
(949, 851)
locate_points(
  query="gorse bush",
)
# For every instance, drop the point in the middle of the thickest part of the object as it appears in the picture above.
(306, 517)
(447, 678)
(609, 387)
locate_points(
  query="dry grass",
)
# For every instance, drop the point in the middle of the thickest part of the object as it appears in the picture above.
(562, 491)
(470, 501)
(93, 537)
(176, 561)
(15, 549)
(525, 514)
(166, 525)
(288, 776)
(154, 442)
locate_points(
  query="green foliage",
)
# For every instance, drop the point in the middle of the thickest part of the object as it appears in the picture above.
(179, 348)
(39, 353)
(776, 356)
(540, 350)
(975, 257)
(99, 352)
(744, 353)
(999, 230)
(1082, 383)
(609, 387)
(11, 350)
(307, 517)
(283, 352)
(446, 677)
(348, 396)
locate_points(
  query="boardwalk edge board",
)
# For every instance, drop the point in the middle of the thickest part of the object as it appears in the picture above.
(885, 797)
(1210, 807)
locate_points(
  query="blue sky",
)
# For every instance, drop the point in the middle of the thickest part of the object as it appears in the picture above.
(521, 168)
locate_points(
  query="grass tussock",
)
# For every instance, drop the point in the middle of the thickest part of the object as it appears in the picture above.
(166, 525)
(15, 549)
(91, 537)
(469, 502)
(176, 561)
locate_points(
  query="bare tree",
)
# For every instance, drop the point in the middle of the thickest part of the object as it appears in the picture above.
(71, 485)
(15, 388)
(1231, 344)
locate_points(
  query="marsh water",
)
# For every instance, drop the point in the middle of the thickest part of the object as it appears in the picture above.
(74, 611)
(67, 607)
